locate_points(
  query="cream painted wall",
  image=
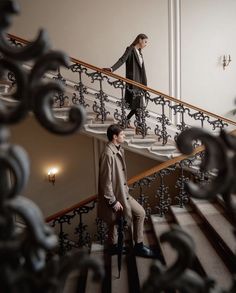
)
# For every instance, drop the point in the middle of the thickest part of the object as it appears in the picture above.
(99, 31)
(73, 155)
(207, 32)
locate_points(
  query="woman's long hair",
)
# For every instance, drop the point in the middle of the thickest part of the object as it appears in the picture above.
(140, 36)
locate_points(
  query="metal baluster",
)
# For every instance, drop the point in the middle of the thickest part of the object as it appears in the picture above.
(81, 229)
(179, 108)
(218, 124)
(64, 243)
(182, 197)
(80, 87)
(102, 230)
(60, 97)
(142, 198)
(99, 108)
(162, 133)
(142, 113)
(162, 193)
(120, 116)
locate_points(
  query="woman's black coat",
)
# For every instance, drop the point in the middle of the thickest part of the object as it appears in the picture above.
(134, 71)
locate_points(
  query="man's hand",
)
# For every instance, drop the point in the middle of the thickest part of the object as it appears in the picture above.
(118, 207)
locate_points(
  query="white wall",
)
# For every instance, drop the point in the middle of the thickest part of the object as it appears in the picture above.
(207, 32)
(99, 31)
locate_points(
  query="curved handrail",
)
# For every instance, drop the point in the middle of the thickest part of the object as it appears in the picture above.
(145, 88)
(71, 208)
(131, 181)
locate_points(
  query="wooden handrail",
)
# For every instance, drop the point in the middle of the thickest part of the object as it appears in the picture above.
(163, 165)
(145, 88)
(131, 181)
(71, 208)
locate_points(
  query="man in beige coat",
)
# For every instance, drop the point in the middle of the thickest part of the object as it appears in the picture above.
(113, 193)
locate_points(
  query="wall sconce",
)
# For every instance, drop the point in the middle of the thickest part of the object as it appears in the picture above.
(226, 61)
(52, 175)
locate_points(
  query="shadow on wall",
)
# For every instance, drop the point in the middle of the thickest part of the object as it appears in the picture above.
(72, 155)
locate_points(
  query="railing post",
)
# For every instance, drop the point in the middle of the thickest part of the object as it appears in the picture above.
(163, 193)
(81, 88)
(162, 133)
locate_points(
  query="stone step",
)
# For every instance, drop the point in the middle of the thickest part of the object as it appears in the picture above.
(121, 284)
(145, 142)
(161, 225)
(167, 148)
(96, 254)
(143, 264)
(206, 254)
(71, 283)
(96, 128)
(219, 226)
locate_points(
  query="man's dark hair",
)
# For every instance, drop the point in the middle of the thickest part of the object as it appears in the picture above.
(113, 129)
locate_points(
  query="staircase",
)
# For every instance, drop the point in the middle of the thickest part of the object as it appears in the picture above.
(101, 94)
(205, 221)
(165, 201)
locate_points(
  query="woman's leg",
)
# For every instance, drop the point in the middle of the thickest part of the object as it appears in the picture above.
(131, 113)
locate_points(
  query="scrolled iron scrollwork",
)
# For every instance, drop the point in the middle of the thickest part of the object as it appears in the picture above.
(61, 97)
(120, 115)
(217, 124)
(163, 120)
(213, 145)
(162, 193)
(99, 107)
(102, 231)
(143, 198)
(181, 110)
(223, 182)
(24, 252)
(26, 53)
(178, 276)
(31, 93)
(182, 197)
(80, 87)
(200, 116)
(84, 238)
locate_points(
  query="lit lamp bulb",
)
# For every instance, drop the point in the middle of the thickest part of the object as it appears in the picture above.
(52, 175)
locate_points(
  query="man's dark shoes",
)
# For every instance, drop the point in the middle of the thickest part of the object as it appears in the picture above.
(113, 249)
(141, 250)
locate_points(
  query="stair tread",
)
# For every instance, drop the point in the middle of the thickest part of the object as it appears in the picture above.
(161, 225)
(97, 254)
(163, 147)
(143, 264)
(205, 252)
(214, 216)
(121, 284)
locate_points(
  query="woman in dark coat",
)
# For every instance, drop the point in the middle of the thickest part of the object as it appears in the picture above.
(135, 70)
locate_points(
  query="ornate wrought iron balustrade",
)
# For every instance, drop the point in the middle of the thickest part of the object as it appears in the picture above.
(24, 267)
(103, 94)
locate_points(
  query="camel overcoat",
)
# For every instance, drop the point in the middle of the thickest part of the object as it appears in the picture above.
(112, 184)
(134, 71)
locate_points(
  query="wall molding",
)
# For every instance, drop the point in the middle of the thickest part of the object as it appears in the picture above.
(174, 31)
